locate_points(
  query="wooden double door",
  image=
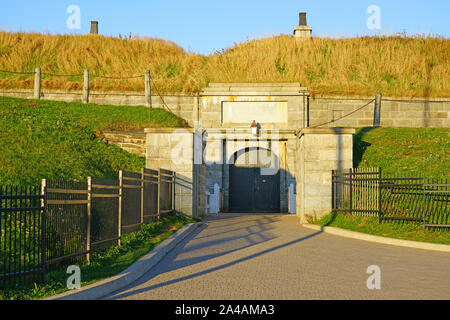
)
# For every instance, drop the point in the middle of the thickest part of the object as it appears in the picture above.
(254, 187)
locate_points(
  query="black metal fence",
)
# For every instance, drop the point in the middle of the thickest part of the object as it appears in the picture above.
(392, 197)
(22, 238)
(67, 221)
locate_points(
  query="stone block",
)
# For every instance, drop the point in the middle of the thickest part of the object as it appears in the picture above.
(443, 115)
(317, 191)
(210, 115)
(365, 123)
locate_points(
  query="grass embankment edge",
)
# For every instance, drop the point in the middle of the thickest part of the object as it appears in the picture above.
(371, 226)
(107, 263)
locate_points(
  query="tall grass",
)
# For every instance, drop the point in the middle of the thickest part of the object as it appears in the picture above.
(416, 66)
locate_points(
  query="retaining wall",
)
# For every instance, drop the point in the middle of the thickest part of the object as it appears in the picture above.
(207, 107)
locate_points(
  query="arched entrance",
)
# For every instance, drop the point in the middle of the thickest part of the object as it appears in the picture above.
(254, 181)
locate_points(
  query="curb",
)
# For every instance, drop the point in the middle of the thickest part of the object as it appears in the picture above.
(107, 286)
(379, 239)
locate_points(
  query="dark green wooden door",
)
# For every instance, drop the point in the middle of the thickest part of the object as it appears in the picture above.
(253, 189)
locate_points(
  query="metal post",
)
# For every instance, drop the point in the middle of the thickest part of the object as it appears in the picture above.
(424, 202)
(304, 112)
(307, 112)
(86, 87)
(148, 91)
(43, 227)
(333, 193)
(88, 232)
(37, 83)
(173, 191)
(159, 194)
(142, 196)
(351, 190)
(119, 223)
(377, 111)
(379, 196)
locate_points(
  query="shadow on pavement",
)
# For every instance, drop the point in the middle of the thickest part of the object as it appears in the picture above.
(262, 233)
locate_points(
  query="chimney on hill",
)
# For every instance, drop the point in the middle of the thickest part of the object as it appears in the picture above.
(302, 19)
(94, 27)
(302, 31)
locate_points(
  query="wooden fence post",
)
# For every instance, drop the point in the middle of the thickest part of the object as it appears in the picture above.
(86, 87)
(43, 227)
(148, 92)
(119, 231)
(377, 111)
(142, 196)
(37, 83)
(88, 233)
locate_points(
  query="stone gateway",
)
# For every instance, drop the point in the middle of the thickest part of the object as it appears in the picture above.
(226, 163)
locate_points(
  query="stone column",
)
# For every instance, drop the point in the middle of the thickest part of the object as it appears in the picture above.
(319, 151)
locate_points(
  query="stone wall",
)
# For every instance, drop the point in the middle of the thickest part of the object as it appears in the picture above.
(319, 151)
(270, 101)
(397, 113)
(207, 106)
(182, 105)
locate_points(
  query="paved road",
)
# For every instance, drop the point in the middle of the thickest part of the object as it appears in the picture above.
(272, 257)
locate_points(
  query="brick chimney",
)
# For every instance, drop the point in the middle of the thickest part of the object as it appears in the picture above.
(302, 31)
(94, 27)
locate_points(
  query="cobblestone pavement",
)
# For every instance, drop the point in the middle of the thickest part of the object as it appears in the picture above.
(247, 257)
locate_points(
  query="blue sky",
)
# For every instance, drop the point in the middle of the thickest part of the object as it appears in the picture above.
(205, 26)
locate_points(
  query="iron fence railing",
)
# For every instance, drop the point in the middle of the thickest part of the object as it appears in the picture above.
(22, 238)
(62, 221)
(392, 197)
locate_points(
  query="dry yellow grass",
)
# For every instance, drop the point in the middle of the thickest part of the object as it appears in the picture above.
(394, 66)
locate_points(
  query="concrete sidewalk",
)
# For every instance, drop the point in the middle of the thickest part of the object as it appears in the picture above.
(272, 257)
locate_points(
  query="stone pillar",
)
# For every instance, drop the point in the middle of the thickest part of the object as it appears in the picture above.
(319, 151)
(173, 149)
(303, 31)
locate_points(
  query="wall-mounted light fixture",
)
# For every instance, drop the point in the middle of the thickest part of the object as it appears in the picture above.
(254, 127)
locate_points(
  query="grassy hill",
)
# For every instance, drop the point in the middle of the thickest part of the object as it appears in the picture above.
(57, 140)
(394, 66)
(423, 151)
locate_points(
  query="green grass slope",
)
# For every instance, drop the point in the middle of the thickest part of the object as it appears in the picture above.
(418, 151)
(58, 140)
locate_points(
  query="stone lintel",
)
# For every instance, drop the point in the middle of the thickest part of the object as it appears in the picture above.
(224, 133)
